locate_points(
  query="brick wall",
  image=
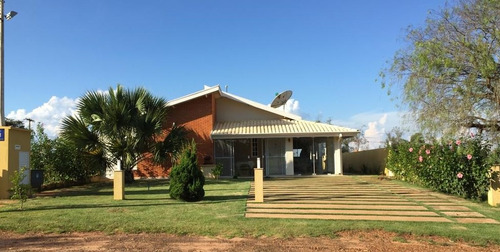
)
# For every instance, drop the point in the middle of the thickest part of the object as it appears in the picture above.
(197, 116)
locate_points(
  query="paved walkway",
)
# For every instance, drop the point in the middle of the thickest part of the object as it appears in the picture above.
(356, 198)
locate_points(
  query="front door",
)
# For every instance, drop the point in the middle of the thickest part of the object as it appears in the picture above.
(310, 155)
(275, 156)
(319, 154)
(224, 154)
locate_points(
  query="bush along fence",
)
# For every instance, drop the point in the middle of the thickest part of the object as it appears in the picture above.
(460, 166)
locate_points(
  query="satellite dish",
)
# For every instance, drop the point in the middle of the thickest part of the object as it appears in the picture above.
(281, 99)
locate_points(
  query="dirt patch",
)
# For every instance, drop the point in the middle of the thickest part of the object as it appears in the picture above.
(376, 240)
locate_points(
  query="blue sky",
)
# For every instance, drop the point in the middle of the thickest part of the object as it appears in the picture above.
(328, 52)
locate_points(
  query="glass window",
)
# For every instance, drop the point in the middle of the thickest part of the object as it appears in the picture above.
(255, 147)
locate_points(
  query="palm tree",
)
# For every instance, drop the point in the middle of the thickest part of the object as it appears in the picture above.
(122, 126)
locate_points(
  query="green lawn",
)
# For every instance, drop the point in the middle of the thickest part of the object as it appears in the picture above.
(221, 213)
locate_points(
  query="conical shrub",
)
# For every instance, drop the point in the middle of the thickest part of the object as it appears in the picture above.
(186, 178)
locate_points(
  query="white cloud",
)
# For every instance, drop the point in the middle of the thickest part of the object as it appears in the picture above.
(50, 114)
(375, 125)
(292, 106)
(374, 134)
(383, 119)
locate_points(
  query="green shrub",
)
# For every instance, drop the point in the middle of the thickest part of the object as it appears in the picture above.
(186, 178)
(459, 167)
(19, 190)
(217, 171)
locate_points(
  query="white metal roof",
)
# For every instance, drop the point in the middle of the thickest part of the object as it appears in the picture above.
(278, 128)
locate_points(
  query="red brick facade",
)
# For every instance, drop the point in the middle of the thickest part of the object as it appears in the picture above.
(198, 117)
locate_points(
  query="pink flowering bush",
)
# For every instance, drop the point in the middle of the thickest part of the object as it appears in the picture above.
(459, 167)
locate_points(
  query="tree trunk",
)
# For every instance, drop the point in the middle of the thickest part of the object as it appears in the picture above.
(129, 176)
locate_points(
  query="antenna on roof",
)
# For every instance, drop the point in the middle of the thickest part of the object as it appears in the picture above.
(281, 98)
(226, 88)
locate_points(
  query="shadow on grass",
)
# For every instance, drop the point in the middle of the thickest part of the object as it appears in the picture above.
(148, 192)
(90, 206)
(223, 198)
(136, 188)
(141, 202)
(225, 181)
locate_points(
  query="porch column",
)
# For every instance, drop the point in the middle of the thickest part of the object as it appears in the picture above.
(289, 156)
(337, 146)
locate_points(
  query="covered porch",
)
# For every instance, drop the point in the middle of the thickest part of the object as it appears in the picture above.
(283, 147)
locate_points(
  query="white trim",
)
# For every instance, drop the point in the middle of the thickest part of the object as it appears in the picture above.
(194, 95)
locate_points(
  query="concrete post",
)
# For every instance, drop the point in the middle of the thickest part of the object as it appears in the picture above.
(119, 185)
(258, 174)
(494, 192)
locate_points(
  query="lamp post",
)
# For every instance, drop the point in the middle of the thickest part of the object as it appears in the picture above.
(8, 17)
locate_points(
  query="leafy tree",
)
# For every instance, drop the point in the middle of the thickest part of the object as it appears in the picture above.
(121, 125)
(186, 178)
(14, 123)
(450, 73)
(417, 138)
(60, 160)
(356, 143)
(394, 137)
(42, 148)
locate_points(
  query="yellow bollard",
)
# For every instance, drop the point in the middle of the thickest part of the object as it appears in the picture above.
(259, 184)
(494, 192)
(119, 185)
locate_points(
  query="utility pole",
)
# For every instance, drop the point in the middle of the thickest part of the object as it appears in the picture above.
(2, 108)
(2, 18)
(28, 119)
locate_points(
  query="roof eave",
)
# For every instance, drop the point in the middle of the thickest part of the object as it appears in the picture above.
(283, 135)
(194, 95)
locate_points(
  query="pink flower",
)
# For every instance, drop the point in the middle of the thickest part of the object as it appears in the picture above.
(458, 142)
(410, 149)
(460, 175)
(420, 159)
(469, 156)
(427, 151)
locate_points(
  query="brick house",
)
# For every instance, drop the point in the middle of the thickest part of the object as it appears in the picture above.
(235, 131)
